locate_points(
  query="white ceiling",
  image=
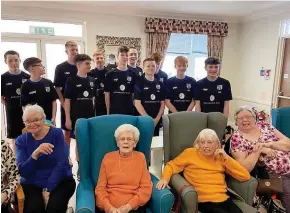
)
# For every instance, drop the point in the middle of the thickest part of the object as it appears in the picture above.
(230, 11)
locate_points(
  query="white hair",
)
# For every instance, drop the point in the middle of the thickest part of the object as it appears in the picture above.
(127, 128)
(207, 135)
(245, 108)
(33, 109)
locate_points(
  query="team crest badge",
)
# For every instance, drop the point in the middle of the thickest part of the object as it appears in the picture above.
(158, 86)
(161, 79)
(101, 85)
(18, 91)
(47, 89)
(188, 86)
(129, 78)
(219, 87)
(91, 84)
(23, 80)
(181, 96)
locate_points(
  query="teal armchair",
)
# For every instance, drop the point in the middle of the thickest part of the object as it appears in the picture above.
(281, 120)
(95, 138)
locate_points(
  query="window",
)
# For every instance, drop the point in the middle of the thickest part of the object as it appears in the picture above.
(193, 47)
(60, 29)
(285, 28)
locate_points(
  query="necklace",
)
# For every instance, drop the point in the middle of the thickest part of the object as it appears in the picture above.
(128, 165)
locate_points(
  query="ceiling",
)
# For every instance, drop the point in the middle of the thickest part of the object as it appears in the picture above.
(230, 11)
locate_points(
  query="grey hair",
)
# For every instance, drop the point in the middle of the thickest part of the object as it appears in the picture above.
(127, 128)
(33, 109)
(245, 108)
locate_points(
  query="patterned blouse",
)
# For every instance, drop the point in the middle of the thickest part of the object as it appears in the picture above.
(277, 165)
(10, 178)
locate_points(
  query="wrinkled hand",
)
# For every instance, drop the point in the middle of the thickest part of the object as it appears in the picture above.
(113, 210)
(270, 153)
(268, 145)
(222, 153)
(44, 148)
(3, 198)
(258, 148)
(45, 196)
(68, 124)
(162, 184)
(126, 208)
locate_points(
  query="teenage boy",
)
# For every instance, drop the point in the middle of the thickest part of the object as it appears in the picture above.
(180, 88)
(213, 93)
(38, 90)
(11, 82)
(119, 86)
(149, 95)
(99, 74)
(62, 72)
(132, 61)
(159, 73)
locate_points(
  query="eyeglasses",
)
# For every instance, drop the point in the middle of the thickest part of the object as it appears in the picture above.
(247, 117)
(126, 139)
(36, 121)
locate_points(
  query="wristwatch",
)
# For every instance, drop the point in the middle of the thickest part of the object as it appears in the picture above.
(44, 190)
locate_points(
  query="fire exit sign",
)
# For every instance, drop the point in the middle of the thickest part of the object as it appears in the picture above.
(41, 30)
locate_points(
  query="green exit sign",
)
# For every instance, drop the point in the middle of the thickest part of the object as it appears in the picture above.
(41, 30)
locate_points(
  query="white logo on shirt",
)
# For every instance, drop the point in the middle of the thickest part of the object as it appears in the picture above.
(140, 73)
(219, 87)
(188, 86)
(18, 91)
(146, 88)
(32, 92)
(24, 80)
(161, 79)
(101, 84)
(129, 78)
(205, 89)
(158, 86)
(79, 85)
(211, 98)
(8, 84)
(122, 87)
(152, 96)
(67, 73)
(86, 93)
(181, 96)
(47, 89)
(115, 79)
(96, 78)
(91, 84)
(174, 87)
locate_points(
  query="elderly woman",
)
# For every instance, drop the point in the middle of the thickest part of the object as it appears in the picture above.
(257, 142)
(42, 158)
(124, 182)
(10, 178)
(204, 166)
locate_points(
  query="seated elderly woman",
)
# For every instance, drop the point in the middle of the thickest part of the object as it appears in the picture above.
(257, 142)
(42, 158)
(124, 183)
(10, 178)
(204, 166)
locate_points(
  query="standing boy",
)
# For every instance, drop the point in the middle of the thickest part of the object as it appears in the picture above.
(11, 82)
(132, 61)
(38, 90)
(180, 88)
(213, 93)
(159, 73)
(119, 86)
(62, 72)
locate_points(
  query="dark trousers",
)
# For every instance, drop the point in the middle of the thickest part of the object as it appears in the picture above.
(58, 199)
(5, 208)
(227, 206)
(141, 209)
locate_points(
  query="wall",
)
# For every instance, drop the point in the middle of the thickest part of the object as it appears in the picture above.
(257, 47)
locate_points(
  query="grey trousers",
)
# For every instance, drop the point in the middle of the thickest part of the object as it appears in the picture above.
(286, 192)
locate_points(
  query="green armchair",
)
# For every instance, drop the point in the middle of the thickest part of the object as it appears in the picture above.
(179, 131)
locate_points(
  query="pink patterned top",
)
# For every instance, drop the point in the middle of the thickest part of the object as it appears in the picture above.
(278, 165)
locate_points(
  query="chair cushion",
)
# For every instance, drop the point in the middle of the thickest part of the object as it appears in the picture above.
(281, 120)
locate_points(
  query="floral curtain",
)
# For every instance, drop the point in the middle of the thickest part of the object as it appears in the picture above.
(157, 42)
(215, 46)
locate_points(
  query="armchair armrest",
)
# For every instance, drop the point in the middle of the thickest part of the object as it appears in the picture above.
(85, 202)
(161, 200)
(20, 199)
(246, 189)
(188, 196)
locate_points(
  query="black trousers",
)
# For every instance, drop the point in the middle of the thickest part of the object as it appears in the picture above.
(58, 199)
(227, 206)
(6, 209)
(141, 209)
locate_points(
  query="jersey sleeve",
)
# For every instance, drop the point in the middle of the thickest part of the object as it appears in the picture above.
(24, 99)
(197, 91)
(68, 91)
(193, 88)
(58, 77)
(138, 91)
(168, 90)
(54, 95)
(228, 91)
(108, 82)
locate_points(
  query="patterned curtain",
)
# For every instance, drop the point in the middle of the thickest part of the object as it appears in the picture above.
(157, 42)
(215, 46)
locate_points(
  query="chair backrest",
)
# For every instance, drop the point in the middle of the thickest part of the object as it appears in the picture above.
(281, 120)
(181, 129)
(95, 138)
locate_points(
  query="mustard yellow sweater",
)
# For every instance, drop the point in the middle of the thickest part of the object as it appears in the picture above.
(205, 173)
